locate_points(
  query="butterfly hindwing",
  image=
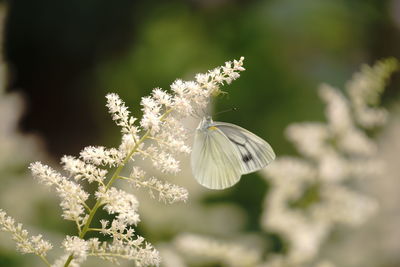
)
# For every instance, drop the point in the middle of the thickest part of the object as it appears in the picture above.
(215, 161)
(254, 152)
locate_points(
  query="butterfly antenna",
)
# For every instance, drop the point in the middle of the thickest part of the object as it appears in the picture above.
(227, 110)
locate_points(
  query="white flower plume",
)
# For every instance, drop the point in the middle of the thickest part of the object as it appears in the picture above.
(81, 170)
(119, 202)
(158, 136)
(310, 194)
(72, 195)
(25, 244)
(365, 89)
(76, 247)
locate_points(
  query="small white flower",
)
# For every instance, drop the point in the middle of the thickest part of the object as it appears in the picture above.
(101, 156)
(120, 114)
(82, 170)
(77, 247)
(25, 244)
(166, 162)
(120, 202)
(150, 105)
(178, 87)
(182, 105)
(128, 143)
(137, 173)
(162, 97)
(72, 195)
(167, 192)
(151, 121)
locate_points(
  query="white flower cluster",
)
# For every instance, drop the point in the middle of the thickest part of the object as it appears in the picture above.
(101, 156)
(119, 202)
(120, 114)
(125, 245)
(137, 250)
(158, 136)
(311, 194)
(364, 91)
(76, 247)
(25, 244)
(81, 170)
(167, 193)
(202, 250)
(73, 197)
(228, 253)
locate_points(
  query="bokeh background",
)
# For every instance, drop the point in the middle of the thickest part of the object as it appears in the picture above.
(63, 57)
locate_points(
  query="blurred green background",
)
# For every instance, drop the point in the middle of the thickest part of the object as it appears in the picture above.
(64, 56)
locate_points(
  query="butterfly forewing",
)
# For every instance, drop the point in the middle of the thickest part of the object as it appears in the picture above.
(254, 152)
(215, 161)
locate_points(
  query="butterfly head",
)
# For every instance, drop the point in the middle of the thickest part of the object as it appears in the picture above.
(205, 123)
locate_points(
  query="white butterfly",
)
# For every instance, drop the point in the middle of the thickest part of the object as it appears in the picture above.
(222, 152)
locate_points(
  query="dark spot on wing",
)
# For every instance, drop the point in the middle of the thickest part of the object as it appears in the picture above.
(247, 158)
(236, 142)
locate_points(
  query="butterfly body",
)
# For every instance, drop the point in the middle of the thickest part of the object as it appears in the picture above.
(223, 152)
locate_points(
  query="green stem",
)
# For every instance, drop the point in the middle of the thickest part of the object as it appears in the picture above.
(78, 226)
(45, 260)
(86, 206)
(98, 202)
(95, 229)
(68, 261)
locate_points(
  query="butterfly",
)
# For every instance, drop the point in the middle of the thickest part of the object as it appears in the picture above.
(222, 152)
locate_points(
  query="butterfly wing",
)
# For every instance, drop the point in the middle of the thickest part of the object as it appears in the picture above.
(255, 153)
(215, 161)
